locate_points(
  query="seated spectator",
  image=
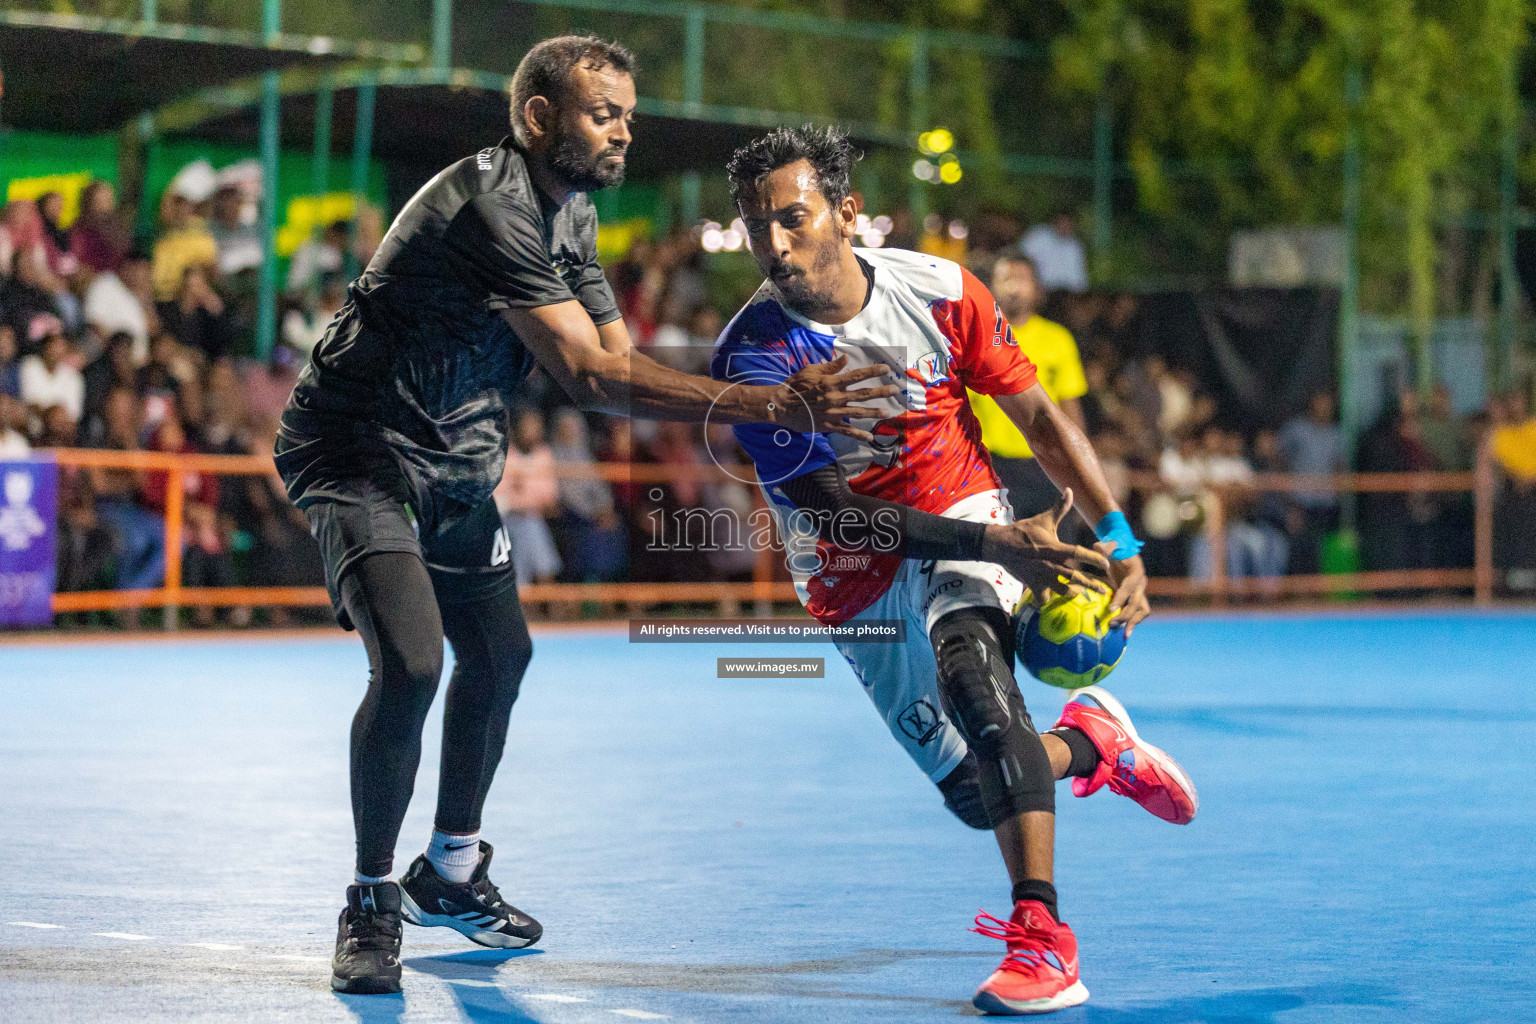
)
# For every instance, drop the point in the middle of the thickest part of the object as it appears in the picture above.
(592, 541)
(184, 242)
(205, 551)
(367, 233)
(111, 307)
(283, 553)
(1109, 445)
(1393, 524)
(29, 301)
(48, 379)
(1058, 254)
(238, 244)
(113, 369)
(316, 257)
(1313, 444)
(730, 555)
(669, 545)
(1449, 441)
(687, 350)
(59, 429)
(13, 426)
(50, 271)
(50, 208)
(1176, 399)
(197, 316)
(10, 364)
(223, 426)
(21, 230)
(85, 544)
(1275, 509)
(268, 386)
(528, 493)
(139, 533)
(99, 238)
(164, 381)
(303, 328)
(1253, 549)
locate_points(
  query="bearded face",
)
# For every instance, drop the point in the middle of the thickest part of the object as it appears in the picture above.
(586, 164)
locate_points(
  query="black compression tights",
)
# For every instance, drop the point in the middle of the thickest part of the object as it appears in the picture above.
(391, 601)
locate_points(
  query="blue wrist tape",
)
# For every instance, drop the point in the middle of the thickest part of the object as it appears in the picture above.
(1113, 527)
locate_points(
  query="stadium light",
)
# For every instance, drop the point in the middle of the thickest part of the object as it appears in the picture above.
(936, 141)
(949, 169)
(924, 171)
(713, 239)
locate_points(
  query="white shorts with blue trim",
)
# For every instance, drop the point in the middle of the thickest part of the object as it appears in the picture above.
(902, 679)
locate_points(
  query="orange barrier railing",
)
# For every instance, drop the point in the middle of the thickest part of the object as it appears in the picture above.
(1219, 587)
(764, 590)
(759, 594)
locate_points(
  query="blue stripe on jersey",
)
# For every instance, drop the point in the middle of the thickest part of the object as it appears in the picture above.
(763, 346)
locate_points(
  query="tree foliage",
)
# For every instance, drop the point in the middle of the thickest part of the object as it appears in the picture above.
(1251, 96)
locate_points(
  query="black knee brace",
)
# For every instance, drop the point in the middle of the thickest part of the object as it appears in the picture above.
(978, 692)
(961, 790)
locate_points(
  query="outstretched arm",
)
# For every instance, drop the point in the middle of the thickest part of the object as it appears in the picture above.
(602, 372)
(1068, 459)
(1030, 549)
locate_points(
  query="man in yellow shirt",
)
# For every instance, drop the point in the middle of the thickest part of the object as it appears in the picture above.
(1050, 347)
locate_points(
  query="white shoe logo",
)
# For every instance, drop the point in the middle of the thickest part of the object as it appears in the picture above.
(501, 548)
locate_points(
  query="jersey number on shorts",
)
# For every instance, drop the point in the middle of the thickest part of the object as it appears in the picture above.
(501, 547)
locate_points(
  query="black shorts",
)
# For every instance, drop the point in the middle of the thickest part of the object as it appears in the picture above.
(361, 499)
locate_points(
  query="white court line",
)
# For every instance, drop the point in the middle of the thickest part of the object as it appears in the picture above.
(33, 924)
(467, 982)
(124, 935)
(553, 997)
(642, 1014)
(214, 945)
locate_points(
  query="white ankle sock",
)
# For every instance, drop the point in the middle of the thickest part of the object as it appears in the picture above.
(362, 879)
(454, 856)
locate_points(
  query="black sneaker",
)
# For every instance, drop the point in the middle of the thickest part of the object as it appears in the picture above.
(367, 960)
(474, 908)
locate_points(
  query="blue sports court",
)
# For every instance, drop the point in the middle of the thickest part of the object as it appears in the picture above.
(177, 837)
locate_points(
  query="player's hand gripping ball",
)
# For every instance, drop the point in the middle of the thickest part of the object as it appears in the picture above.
(1068, 642)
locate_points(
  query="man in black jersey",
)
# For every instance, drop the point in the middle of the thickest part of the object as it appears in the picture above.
(395, 437)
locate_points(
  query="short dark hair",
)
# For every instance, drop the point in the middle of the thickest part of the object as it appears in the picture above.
(826, 149)
(545, 70)
(1021, 258)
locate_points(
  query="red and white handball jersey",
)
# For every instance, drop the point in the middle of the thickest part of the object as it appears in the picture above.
(937, 326)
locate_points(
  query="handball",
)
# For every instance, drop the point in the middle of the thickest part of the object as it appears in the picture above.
(1068, 642)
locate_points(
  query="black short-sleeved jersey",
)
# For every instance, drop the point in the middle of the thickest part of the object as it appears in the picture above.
(420, 356)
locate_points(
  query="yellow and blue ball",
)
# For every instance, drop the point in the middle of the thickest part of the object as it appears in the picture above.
(1067, 641)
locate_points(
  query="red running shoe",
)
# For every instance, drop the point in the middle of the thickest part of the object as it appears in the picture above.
(1131, 767)
(1039, 974)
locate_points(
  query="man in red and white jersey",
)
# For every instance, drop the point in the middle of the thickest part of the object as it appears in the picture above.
(908, 527)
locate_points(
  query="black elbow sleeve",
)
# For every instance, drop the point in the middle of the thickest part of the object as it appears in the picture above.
(857, 521)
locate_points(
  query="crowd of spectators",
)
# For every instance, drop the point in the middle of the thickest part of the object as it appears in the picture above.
(144, 344)
(108, 341)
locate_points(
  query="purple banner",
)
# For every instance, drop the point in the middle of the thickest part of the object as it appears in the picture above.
(29, 494)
